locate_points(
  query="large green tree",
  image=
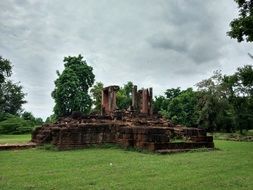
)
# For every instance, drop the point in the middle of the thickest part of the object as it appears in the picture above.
(242, 27)
(215, 111)
(71, 87)
(239, 88)
(226, 102)
(11, 94)
(12, 97)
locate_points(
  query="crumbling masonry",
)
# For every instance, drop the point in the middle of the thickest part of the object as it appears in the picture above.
(136, 127)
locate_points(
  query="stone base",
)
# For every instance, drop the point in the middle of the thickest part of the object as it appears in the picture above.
(140, 133)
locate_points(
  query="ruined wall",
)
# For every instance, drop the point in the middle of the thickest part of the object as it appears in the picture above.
(150, 135)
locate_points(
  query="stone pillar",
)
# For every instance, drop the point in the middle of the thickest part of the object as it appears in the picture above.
(104, 106)
(134, 98)
(109, 100)
(144, 101)
(150, 101)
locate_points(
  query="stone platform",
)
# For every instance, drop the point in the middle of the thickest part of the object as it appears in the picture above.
(150, 133)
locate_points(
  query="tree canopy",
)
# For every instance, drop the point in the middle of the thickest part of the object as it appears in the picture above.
(5, 69)
(220, 103)
(242, 27)
(123, 96)
(71, 87)
(11, 95)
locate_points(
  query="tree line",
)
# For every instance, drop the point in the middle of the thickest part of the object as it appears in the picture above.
(219, 103)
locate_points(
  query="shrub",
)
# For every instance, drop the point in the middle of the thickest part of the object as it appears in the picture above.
(15, 125)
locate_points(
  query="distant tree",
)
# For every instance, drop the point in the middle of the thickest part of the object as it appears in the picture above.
(51, 119)
(124, 99)
(96, 94)
(240, 96)
(181, 109)
(12, 124)
(215, 111)
(160, 103)
(244, 81)
(11, 94)
(12, 98)
(242, 27)
(28, 116)
(71, 87)
(172, 93)
(38, 121)
(5, 69)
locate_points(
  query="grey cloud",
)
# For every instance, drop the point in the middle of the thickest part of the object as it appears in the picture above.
(193, 31)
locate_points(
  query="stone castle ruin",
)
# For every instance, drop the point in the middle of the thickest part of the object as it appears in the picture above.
(135, 127)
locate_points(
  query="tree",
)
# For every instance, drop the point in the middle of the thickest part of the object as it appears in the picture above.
(242, 27)
(244, 81)
(5, 69)
(51, 119)
(38, 121)
(240, 96)
(172, 93)
(123, 96)
(96, 93)
(71, 87)
(181, 109)
(12, 97)
(215, 111)
(28, 116)
(160, 103)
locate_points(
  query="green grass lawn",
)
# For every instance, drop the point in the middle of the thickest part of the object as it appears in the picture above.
(228, 168)
(12, 139)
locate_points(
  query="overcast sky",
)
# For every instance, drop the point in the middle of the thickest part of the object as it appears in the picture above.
(160, 44)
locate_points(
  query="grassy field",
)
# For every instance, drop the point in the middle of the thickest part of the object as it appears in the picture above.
(12, 139)
(246, 136)
(112, 168)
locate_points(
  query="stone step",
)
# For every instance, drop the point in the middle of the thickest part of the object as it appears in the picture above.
(17, 146)
(171, 151)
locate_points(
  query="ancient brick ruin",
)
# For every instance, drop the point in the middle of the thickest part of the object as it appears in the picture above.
(109, 100)
(142, 100)
(136, 127)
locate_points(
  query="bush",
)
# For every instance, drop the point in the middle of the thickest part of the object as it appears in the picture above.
(15, 125)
